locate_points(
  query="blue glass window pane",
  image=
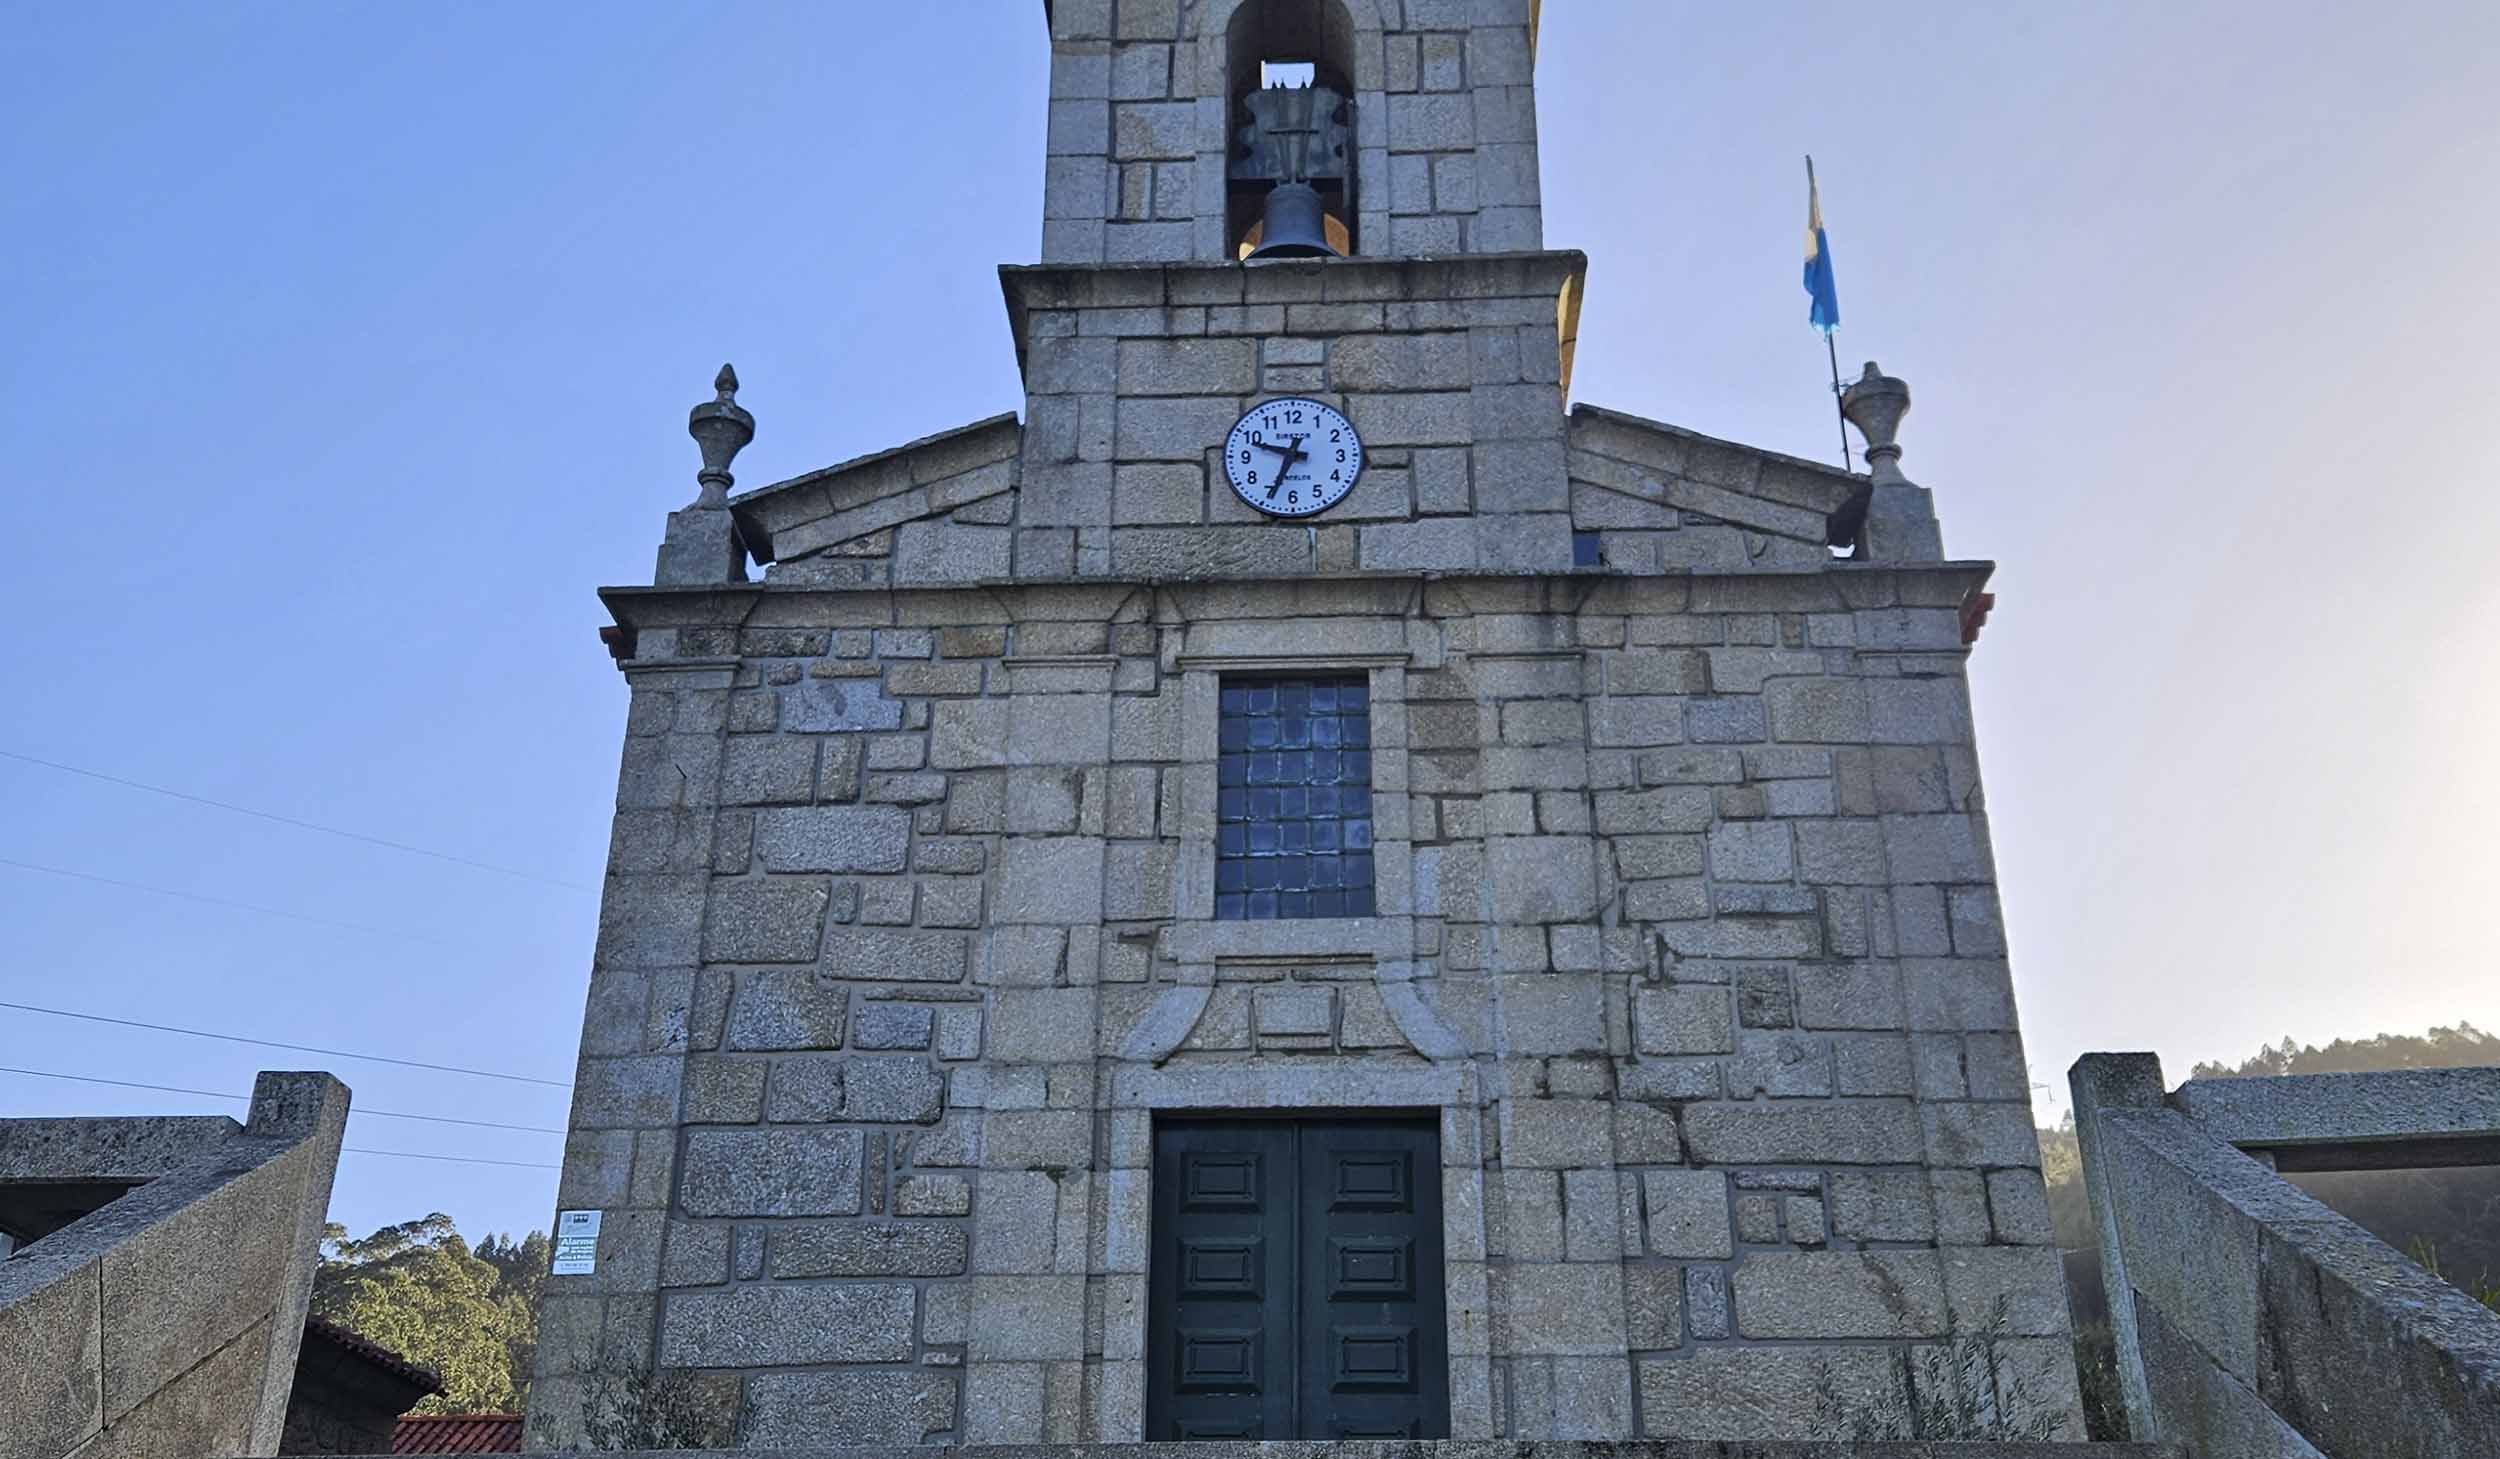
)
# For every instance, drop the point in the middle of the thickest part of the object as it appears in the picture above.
(1293, 803)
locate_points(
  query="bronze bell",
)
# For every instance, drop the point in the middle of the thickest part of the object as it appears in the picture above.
(1295, 224)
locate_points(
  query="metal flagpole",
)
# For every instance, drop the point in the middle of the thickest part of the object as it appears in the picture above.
(1831, 351)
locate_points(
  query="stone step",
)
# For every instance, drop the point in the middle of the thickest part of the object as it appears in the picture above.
(1463, 1449)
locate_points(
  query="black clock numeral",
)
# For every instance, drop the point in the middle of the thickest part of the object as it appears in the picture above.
(1254, 478)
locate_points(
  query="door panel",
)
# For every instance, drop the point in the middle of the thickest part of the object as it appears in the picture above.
(1375, 1309)
(1220, 1346)
(1295, 1287)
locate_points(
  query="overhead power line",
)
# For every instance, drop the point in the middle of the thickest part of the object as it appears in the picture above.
(137, 886)
(234, 1038)
(386, 1114)
(456, 1159)
(301, 825)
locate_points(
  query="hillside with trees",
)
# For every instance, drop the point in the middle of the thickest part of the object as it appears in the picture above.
(418, 1289)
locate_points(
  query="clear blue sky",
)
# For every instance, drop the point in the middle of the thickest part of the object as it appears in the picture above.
(345, 349)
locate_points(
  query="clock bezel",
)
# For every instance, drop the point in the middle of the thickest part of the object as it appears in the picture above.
(1362, 458)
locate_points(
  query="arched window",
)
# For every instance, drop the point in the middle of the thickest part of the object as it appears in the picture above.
(1297, 45)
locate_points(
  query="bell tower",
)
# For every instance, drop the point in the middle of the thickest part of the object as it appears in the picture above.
(1173, 121)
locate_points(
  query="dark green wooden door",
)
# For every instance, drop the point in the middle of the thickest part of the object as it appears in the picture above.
(1295, 1287)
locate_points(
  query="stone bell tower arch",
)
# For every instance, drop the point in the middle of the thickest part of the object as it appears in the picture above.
(1148, 107)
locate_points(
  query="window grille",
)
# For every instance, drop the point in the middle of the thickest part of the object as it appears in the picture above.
(1293, 833)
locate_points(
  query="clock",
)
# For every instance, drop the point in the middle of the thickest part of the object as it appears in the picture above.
(1293, 457)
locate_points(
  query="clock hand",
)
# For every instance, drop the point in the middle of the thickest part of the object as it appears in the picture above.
(1290, 455)
(1286, 456)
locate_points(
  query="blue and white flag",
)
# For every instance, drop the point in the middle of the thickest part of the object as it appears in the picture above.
(1825, 315)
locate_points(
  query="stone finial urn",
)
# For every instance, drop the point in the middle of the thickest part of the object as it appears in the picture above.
(722, 428)
(1875, 403)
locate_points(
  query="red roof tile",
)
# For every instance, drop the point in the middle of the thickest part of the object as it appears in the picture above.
(458, 1433)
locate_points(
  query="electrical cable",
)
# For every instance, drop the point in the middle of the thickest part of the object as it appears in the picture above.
(244, 810)
(137, 886)
(386, 1114)
(297, 1048)
(457, 1159)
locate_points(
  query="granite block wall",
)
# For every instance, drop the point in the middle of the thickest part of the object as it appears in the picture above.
(1687, 926)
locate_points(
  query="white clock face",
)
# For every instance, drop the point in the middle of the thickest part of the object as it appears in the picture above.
(1293, 457)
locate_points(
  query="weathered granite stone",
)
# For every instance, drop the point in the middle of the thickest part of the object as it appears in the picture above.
(777, 1326)
(766, 922)
(894, 1026)
(833, 838)
(799, 1410)
(1299, 1010)
(760, 770)
(1687, 1212)
(1685, 1020)
(900, 1088)
(1705, 1298)
(785, 1008)
(1653, 1303)
(1016, 1222)
(877, 954)
(805, 1091)
(1028, 1317)
(932, 1195)
(1760, 1393)
(822, 706)
(1858, 1132)
(1560, 1309)
(800, 1172)
(1842, 1294)
(869, 1249)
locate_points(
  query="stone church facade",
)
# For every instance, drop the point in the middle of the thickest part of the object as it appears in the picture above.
(1514, 954)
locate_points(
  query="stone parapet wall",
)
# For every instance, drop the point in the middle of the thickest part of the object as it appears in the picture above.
(2251, 1319)
(1687, 927)
(167, 1321)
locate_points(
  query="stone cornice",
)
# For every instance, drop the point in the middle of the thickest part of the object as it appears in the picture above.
(1841, 587)
(1557, 274)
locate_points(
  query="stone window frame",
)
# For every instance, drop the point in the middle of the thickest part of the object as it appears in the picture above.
(1247, 680)
(1393, 863)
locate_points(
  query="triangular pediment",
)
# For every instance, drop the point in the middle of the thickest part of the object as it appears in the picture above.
(1634, 475)
(947, 495)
